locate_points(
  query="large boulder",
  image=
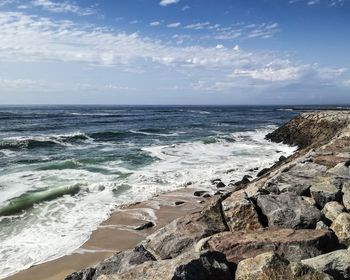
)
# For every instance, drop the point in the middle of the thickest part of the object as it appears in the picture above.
(288, 210)
(118, 263)
(296, 179)
(341, 227)
(324, 190)
(336, 263)
(294, 245)
(178, 236)
(240, 213)
(188, 266)
(332, 209)
(271, 266)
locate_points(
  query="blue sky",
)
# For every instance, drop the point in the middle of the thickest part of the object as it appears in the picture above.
(175, 52)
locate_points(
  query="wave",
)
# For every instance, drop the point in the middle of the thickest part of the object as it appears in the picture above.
(27, 200)
(19, 143)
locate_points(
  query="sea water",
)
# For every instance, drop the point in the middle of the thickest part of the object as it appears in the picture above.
(63, 169)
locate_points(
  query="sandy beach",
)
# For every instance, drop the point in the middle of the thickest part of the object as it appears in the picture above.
(117, 234)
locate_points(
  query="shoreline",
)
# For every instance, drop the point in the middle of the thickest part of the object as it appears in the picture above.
(322, 141)
(118, 233)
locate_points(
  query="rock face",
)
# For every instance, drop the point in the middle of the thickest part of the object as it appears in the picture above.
(294, 245)
(118, 263)
(178, 236)
(341, 227)
(189, 266)
(336, 263)
(288, 211)
(332, 209)
(271, 266)
(240, 213)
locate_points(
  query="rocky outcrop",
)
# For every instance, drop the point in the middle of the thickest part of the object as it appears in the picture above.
(240, 213)
(188, 266)
(294, 245)
(288, 210)
(271, 266)
(178, 236)
(336, 263)
(311, 129)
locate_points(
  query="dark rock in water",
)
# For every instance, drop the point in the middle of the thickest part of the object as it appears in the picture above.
(220, 185)
(199, 193)
(253, 169)
(206, 195)
(336, 263)
(215, 181)
(347, 163)
(282, 158)
(189, 183)
(231, 170)
(263, 172)
(145, 226)
(179, 203)
(245, 181)
(118, 263)
(288, 210)
(188, 266)
(294, 245)
(178, 236)
(272, 266)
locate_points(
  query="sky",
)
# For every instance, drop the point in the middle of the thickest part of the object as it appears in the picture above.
(215, 52)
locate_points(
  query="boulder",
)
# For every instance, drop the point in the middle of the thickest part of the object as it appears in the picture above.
(340, 171)
(188, 266)
(341, 227)
(288, 210)
(145, 225)
(178, 236)
(240, 213)
(263, 172)
(199, 193)
(118, 263)
(346, 195)
(332, 209)
(271, 266)
(325, 190)
(294, 245)
(336, 263)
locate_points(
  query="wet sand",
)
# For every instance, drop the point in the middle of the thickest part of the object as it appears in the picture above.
(116, 234)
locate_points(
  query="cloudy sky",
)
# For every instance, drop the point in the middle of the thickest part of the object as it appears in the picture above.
(174, 52)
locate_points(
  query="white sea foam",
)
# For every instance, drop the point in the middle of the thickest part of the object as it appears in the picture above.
(55, 228)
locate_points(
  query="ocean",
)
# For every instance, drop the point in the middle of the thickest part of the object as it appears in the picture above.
(63, 169)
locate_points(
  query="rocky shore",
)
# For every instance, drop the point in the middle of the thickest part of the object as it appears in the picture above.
(291, 222)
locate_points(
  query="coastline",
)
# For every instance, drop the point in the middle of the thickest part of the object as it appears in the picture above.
(322, 134)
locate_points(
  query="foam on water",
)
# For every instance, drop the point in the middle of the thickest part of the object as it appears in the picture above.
(54, 228)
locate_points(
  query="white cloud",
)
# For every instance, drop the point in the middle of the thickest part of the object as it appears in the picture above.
(174, 24)
(168, 2)
(185, 8)
(27, 38)
(332, 3)
(198, 26)
(154, 23)
(63, 7)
